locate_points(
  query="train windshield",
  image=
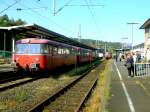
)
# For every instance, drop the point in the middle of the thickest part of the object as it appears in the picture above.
(30, 48)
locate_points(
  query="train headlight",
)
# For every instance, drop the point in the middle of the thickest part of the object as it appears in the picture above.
(17, 58)
(36, 59)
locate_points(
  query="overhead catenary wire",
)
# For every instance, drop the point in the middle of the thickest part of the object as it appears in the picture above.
(92, 14)
(90, 10)
(85, 5)
(20, 9)
(45, 17)
(67, 3)
(39, 2)
(11, 5)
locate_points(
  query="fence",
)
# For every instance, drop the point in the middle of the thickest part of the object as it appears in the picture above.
(142, 69)
(5, 57)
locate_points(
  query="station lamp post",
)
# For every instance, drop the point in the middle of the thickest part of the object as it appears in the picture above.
(132, 24)
(122, 41)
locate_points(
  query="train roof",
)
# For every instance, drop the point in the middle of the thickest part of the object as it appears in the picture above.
(41, 41)
(36, 31)
(33, 40)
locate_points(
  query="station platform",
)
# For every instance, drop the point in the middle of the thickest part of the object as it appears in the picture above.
(128, 94)
(5, 68)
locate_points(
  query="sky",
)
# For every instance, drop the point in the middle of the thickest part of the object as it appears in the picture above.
(104, 20)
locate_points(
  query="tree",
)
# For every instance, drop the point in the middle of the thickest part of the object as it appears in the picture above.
(110, 46)
(5, 21)
(19, 22)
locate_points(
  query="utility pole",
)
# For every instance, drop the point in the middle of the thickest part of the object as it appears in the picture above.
(79, 33)
(4, 43)
(132, 23)
(105, 47)
(54, 7)
(122, 39)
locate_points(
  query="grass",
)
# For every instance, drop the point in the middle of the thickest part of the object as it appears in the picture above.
(21, 95)
(22, 98)
(101, 93)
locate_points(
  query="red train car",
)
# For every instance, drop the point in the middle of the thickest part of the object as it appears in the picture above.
(32, 54)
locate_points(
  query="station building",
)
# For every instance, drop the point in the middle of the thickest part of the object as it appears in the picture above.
(146, 27)
(139, 48)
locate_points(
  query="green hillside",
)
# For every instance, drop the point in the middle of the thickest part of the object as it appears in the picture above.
(109, 46)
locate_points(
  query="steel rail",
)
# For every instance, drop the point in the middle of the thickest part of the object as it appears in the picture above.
(10, 86)
(10, 79)
(88, 92)
(40, 106)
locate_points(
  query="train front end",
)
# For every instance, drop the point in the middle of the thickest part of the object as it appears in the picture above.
(29, 56)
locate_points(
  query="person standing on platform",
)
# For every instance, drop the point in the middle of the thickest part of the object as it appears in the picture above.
(129, 63)
(120, 56)
(135, 60)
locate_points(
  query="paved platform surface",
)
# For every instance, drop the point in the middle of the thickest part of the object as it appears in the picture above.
(5, 68)
(128, 94)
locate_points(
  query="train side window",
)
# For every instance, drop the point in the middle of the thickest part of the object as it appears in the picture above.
(87, 53)
(78, 52)
(44, 48)
(72, 51)
(82, 52)
(60, 50)
(55, 50)
(67, 51)
(63, 50)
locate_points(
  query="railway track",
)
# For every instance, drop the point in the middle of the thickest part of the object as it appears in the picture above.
(15, 83)
(71, 97)
(6, 75)
(9, 76)
(10, 79)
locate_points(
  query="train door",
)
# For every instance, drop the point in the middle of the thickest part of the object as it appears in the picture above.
(54, 57)
(78, 55)
(57, 58)
(49, 57)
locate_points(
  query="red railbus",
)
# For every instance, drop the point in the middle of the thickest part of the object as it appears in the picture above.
(33, 54)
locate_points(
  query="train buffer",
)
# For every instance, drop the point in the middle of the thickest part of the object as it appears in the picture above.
(128, 94)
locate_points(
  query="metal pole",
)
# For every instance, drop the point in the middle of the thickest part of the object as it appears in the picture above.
(105, 47)
(123, 42)
(4, 43)
(132, 31)
(79, 33)
(132, 36)
(13, 46)
(54, 7)
(75, 60)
